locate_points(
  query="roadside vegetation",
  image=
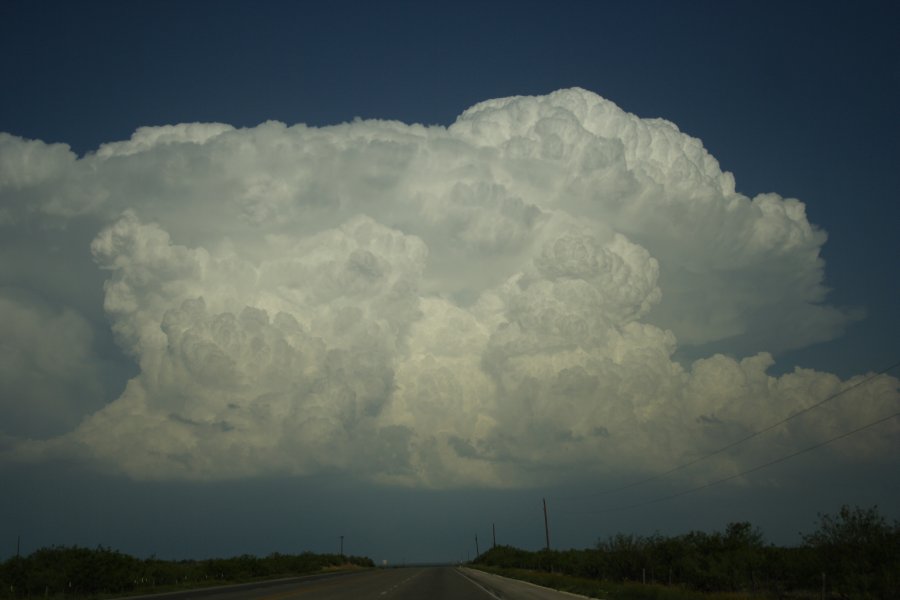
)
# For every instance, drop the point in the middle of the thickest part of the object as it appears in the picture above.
(854, 554)
(75, 572)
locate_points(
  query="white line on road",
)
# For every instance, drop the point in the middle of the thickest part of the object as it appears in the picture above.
(486, 590)
(396, 585)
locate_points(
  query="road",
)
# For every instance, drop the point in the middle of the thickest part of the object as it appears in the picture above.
(412, 583)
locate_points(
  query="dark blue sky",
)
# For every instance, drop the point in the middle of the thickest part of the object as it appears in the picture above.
(798, 98)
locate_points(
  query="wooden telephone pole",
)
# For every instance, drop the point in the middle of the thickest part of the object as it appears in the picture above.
(546, 525)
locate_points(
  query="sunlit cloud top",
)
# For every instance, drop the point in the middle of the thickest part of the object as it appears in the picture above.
(494, 303)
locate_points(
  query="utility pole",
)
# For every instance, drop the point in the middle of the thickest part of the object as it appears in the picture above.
(18, 543)
(546, 526)
(477, 553)
(342, 547)
(494, 532)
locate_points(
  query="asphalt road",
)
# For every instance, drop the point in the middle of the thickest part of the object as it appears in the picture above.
(413, 583)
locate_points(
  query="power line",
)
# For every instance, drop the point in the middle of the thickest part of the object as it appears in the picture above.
(749, 436)
(521, 520)
(748, 471)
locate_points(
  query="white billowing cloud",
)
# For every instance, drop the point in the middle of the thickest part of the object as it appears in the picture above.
(49, 373)
(494, 303)
(149, 138)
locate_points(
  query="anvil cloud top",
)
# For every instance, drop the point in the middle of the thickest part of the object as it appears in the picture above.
(260, 261)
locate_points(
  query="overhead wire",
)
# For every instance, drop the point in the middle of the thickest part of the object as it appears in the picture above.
(747, 471)
(746, 438)
(532, 518)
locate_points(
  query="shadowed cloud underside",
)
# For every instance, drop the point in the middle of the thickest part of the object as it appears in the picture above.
(495, 303)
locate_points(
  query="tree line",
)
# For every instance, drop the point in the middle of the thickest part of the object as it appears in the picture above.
(853, 554)
(84, 572)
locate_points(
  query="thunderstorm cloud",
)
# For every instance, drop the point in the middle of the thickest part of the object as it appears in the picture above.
(507, 300)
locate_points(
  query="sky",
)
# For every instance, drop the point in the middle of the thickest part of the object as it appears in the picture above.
(276, 273)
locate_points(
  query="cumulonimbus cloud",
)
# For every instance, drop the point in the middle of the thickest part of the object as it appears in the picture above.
(497, 302)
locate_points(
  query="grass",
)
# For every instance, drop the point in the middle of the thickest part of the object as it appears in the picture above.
(189, 585)
(609, 590)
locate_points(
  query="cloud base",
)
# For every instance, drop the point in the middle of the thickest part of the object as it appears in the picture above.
(496, 303)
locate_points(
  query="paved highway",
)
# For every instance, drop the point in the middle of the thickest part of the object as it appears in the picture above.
(413, 583)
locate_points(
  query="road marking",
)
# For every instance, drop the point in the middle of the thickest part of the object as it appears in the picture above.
(470, 580)
(396, 585)
(306, 587)
(297, 592)
(534, 585)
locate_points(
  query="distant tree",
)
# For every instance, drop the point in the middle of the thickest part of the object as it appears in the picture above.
(623, 556)
(77, 572)
(507, 557)
(858, 550)
(745, 551)
(859, 553)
